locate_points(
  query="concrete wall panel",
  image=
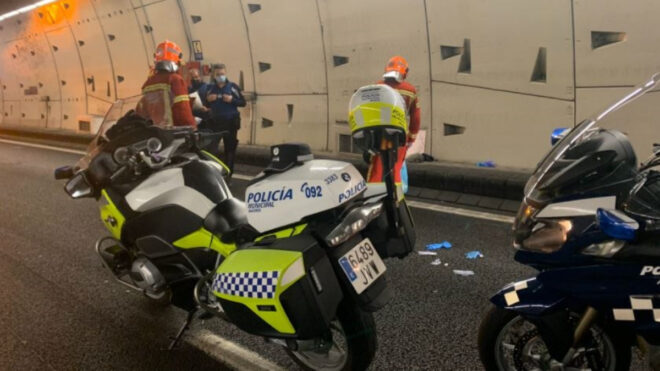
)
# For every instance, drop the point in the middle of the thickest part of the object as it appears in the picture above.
(358, 48)
(638, 120)
(124, 33)
(616, 43)
(287, 47)
(165, 20)
(504, 42)
(70, 72)
(302, 122)
(226, 44)
(510, 129)
(93, 50)
(15, 27)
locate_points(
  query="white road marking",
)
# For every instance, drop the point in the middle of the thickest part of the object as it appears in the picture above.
(229, 353)
(459, 211)
(412, 203)
(33, 145)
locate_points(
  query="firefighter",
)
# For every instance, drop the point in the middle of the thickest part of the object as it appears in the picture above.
(396, 72)
(165, 94)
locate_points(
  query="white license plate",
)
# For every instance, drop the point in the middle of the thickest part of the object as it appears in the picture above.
(362, 265)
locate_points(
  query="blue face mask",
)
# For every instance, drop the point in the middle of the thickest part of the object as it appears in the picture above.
(222, 78)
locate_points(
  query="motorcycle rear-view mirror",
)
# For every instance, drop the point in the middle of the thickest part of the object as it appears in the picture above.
(557, 134)
(78, 186)
(616, 224)
(64, 172)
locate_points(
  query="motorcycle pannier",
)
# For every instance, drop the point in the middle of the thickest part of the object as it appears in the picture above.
(282, 288)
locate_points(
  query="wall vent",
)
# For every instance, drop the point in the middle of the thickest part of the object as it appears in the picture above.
(465, 65)
(263, 67)
(603, 38)
(539, 72)
(84, 125)
(450, 129)
(339, 60)
(266, 123)
(447, 52)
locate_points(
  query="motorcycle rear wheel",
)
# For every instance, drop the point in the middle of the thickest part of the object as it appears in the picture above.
(353, 342)
(507, 341)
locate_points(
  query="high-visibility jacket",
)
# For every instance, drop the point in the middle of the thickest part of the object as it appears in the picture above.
(409, 94)
(165, 100)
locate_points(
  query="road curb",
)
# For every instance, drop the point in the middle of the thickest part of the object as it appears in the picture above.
(448, 182)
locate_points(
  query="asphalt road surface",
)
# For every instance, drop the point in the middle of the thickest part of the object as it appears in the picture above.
(61, 310)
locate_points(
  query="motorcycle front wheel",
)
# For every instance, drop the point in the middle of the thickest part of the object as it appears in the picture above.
(508, 341)
(353, 342)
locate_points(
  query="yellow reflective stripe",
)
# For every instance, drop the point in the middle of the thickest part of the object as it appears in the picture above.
(155, 87)
(372, 114)
(208, 154)
(181, 98)
(408, 93)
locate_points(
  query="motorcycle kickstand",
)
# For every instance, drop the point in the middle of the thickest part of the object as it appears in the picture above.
(182, 330)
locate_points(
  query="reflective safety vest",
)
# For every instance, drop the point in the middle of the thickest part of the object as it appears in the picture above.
(165, 100)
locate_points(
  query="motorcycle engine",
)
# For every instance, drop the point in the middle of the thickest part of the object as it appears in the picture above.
(146, 276)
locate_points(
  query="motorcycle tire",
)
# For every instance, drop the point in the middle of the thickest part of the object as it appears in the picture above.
(358, 330)
(497, 319)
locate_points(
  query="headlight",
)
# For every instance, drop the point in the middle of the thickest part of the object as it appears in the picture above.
(522, 226)
(353, 223)
(547, 237)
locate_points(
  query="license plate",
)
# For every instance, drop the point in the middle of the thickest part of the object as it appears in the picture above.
(362, 265)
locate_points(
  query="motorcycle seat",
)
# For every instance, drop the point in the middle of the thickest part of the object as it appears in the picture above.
(227, 216)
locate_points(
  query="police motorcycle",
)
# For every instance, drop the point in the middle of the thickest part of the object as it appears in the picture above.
(300, 262)
(588, 223)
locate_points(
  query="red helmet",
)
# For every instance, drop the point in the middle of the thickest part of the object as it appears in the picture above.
(168, 56)
(397, 68)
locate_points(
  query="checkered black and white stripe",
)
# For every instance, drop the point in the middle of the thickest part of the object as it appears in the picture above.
(511, 295)
(260, 285)
(642, 308)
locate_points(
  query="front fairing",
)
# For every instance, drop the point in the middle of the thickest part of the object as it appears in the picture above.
(598, 156)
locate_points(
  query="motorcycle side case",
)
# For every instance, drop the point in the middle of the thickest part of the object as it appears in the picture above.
(280, 288)
(374, 297)
(384, 239)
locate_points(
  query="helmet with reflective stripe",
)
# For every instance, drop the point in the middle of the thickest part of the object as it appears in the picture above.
(397, 68)
(168, 56)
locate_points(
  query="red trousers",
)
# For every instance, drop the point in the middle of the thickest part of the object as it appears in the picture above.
(375, 173)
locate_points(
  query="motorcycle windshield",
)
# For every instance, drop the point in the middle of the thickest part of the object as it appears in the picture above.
(150, 106)
(635, 120)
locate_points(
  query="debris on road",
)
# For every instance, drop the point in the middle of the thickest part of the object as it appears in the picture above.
(423, 252)
(474, 254)
(488, 163)
(437, 246)
(436, 262)
(463, 273)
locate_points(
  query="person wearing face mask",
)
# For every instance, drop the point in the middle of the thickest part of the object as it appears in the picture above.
(198, 86)
(224, 97)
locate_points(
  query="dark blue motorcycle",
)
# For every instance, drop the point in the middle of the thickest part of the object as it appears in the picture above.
(588, 223)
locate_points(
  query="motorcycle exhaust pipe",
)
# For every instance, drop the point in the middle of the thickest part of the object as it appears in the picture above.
(583, 326)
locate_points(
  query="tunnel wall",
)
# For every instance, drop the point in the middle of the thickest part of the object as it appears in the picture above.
(493, 77)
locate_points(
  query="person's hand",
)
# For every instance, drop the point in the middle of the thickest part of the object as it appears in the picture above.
(205, 109)
(410, 139)
(227, 98)
(212, 97)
